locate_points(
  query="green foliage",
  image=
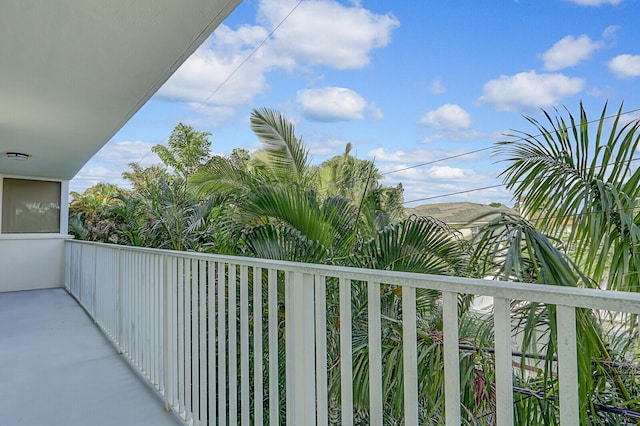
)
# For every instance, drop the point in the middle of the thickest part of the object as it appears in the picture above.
(140, 176)
(572, 178)
(90, 213)
(285, 158)
(187, 150)
(575, 185)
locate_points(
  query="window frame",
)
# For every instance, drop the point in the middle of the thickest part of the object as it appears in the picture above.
(63, 211)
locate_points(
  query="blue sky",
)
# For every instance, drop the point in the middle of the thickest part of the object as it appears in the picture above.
(406, 82)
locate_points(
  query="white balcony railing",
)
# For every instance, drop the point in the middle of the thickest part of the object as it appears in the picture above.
(214, 333)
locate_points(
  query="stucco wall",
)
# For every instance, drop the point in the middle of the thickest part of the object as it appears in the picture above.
(31, 262)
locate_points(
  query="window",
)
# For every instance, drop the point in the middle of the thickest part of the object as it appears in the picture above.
(30, 206)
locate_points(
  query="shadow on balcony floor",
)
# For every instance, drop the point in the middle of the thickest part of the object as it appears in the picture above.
(56, 368)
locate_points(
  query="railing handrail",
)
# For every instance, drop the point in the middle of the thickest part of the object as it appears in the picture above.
(596, 299)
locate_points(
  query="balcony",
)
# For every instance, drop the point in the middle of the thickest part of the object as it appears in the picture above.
(249, 341)
(56, 368)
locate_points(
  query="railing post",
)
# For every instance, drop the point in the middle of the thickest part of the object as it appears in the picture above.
(165, 333)
(300, 347)
(504, 361)
(567, 365)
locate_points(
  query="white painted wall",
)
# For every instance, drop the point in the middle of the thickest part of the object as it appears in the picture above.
(30, 262)
(33, 261)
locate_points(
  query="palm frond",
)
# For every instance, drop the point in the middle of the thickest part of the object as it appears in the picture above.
(580, 185)
(287, 154)
(221, 176)
(278, 242)
(417, 244)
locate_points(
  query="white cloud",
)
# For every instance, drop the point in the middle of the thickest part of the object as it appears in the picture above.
(610, 31)
(109, 163)
(375, 112)
(449, 173)
(401, 156)
(625, 66)
(604, 92)
(326, 147)
(317, 33)
(125, 152)
(447, 117)
(412, 156)
(327, 32)
(568, 51)
(436, 181)
(629, 118)
(455, 135)
(530, 89)
(331, 104)
(202, 77)
(437, 88)
(595, 2)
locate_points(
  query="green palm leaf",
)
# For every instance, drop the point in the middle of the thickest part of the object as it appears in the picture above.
(287, 156)
(579, 184)
(417, 244)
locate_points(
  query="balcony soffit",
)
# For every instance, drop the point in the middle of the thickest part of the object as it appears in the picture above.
(73, 73)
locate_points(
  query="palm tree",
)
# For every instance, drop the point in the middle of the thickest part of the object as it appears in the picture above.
(90, 213)
(280, 212)
(578, 187)
(572, 178)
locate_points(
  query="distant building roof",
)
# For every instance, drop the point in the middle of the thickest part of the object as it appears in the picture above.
(460, 213)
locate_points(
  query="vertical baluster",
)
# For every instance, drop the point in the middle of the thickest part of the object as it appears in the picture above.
(375, 354)
(181, 337)
(202, 340)
(146, 292)
(274, 408)
(451, 358)
(187, 340)
(135, 309)
(195, 325)
(158, 347)
(166, 333)
(222, 348)
(233, 348)
(321, 350)
(212, 391)
(257, 346)
(346, 353)
(146, 314)
(300, 348)
(173, 294)
(567, 365)
(504, 361)
(244, 345)
(410, 355)
(288, 349)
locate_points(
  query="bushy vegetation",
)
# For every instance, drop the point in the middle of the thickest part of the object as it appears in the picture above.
(577, 186)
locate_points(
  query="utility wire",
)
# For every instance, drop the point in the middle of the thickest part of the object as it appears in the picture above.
(632, 209)
(236, 69)
(253, 52)
(438, 160)
(450, 194)
(519, 139)
(494, 186)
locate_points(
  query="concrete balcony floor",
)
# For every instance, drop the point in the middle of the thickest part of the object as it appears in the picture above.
(57, 368)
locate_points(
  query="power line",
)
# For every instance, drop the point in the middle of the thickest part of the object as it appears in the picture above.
(519, 139)
(494, 186)
(456, 193)
(253, 52)
(438, 160)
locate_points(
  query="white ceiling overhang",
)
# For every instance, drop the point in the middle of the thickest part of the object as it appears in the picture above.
(73, 72)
